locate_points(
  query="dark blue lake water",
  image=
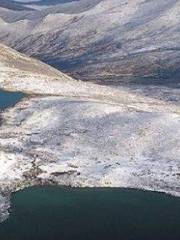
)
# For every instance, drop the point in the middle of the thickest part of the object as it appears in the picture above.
(54, 213)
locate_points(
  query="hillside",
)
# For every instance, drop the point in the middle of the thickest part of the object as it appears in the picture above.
(81, 134)
(107, 41)
(21, 73)
(99, 84)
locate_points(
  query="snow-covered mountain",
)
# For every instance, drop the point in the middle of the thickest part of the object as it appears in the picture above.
(76, 133)
(101, 39)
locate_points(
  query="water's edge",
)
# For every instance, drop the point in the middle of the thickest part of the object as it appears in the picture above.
(8, 99)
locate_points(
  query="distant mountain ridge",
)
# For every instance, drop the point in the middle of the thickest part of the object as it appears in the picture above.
(101, 39)
(106, 46)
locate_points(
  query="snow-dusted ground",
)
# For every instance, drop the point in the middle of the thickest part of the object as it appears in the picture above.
(83, 134)
(21, 73)
(87, 143)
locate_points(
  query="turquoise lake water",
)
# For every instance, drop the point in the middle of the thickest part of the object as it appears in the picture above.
(55, 213)
(8, 99)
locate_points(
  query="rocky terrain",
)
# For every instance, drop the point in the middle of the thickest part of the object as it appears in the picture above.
(101, 40)
(86, 143)
(82, 134)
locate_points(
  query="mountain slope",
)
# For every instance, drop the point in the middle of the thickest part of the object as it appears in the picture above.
(21, 73)
(113, 40)
(81, 134)
(12, 59)
(10, 4)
